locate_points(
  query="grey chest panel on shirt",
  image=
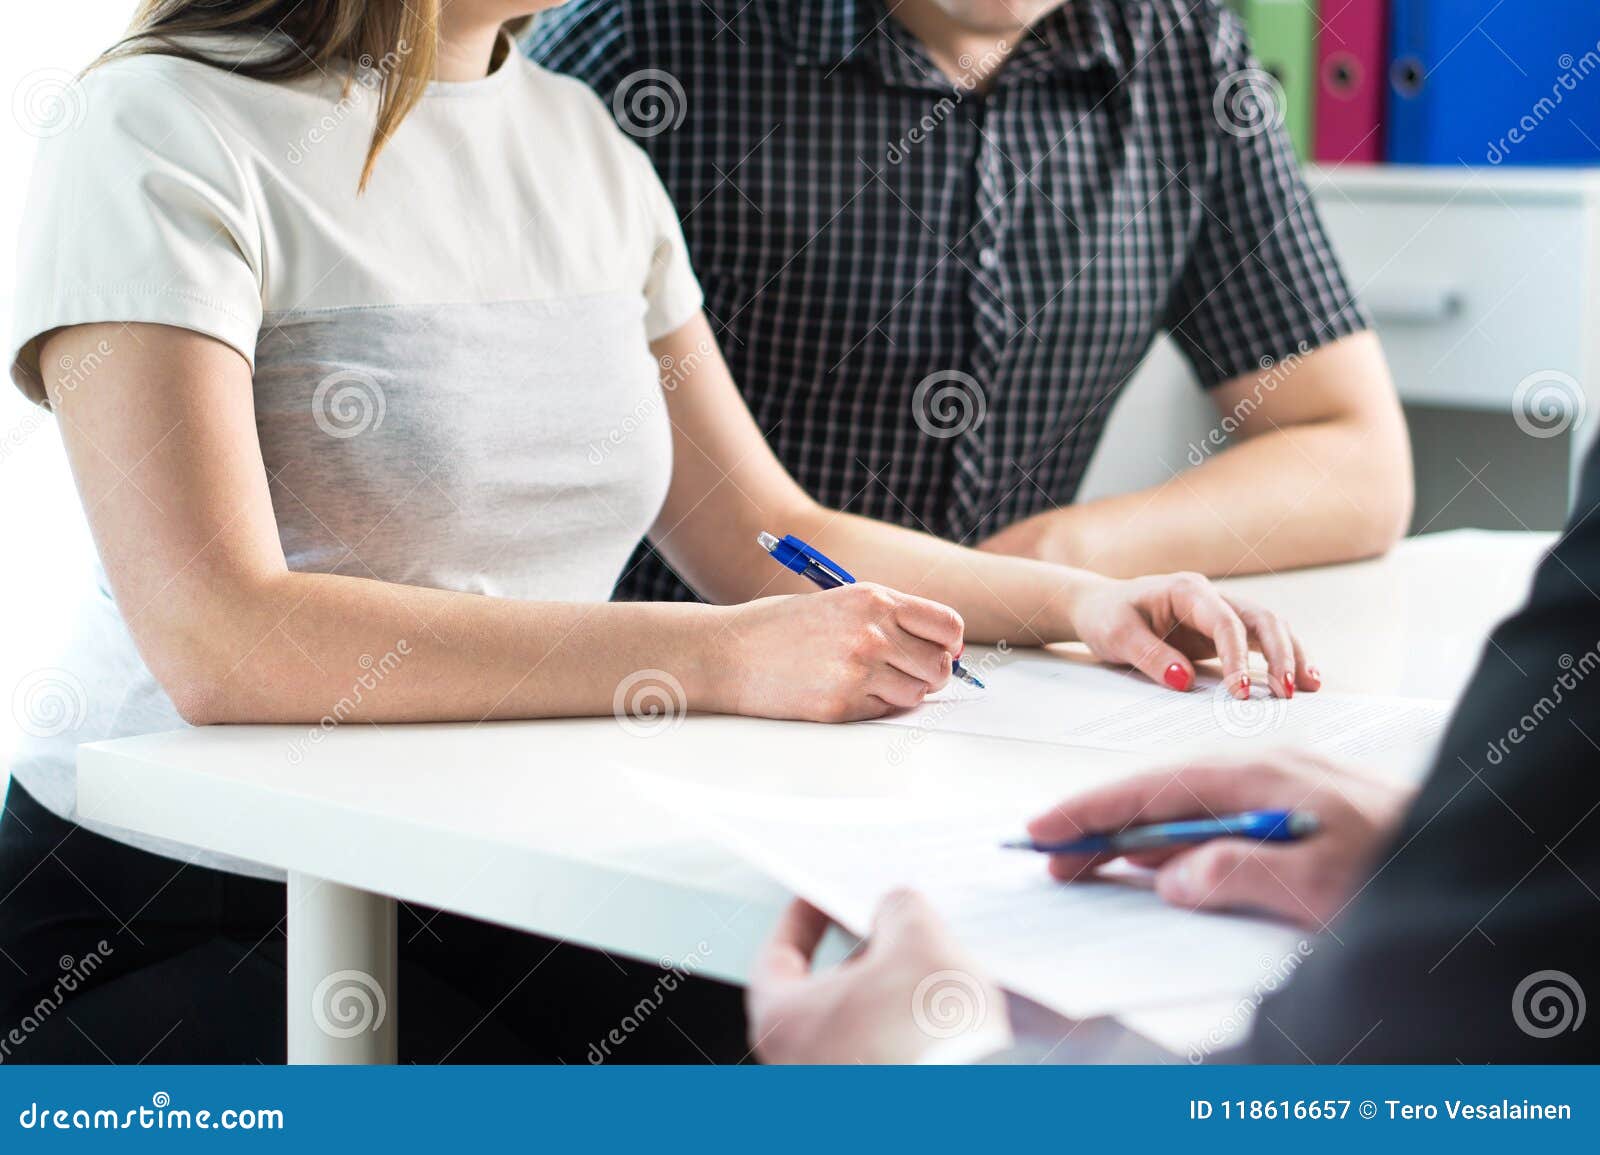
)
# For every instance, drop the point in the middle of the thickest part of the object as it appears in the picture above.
(517, 448)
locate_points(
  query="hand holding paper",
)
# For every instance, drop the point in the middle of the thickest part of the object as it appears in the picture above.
(923, 974)
(1084, 949)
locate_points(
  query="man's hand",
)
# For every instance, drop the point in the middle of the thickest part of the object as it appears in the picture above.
(1307, 882)
(910, 995)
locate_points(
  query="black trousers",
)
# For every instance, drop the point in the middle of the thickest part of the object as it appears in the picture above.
(110, 954)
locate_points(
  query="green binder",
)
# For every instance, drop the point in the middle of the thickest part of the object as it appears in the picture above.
(1283, 34)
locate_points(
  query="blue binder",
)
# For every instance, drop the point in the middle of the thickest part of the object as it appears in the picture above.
(1480, 83)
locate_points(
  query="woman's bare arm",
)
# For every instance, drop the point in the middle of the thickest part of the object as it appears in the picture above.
(163, 446)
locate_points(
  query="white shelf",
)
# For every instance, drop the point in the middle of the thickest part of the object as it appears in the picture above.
(1484, 284)
(1456, 181)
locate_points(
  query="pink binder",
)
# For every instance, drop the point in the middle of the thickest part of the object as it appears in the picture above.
(1352, 68)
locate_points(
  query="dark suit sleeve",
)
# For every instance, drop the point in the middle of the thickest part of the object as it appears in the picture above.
(1475, 940)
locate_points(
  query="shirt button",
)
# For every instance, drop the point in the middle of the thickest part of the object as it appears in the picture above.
(988, 258)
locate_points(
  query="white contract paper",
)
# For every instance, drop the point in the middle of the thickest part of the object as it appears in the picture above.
(1076, 704)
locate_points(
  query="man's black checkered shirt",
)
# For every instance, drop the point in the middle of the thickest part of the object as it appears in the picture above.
(930, 296)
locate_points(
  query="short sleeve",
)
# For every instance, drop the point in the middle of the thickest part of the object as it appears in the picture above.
(1262, 279)
(137, 212)
(671, 290)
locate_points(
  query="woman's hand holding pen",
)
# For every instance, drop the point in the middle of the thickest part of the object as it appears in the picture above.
(839, 655)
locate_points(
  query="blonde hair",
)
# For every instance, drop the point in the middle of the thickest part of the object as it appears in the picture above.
(323, 35)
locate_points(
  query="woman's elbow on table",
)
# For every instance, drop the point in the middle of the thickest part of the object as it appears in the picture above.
(197, 701)
(220, 657)
(1385, 516)
(1376, 479)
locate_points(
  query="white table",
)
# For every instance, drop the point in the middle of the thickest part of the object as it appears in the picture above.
(529, 824)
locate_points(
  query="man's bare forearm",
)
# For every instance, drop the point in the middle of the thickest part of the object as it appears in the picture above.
(1299, 497)
(1317, 470)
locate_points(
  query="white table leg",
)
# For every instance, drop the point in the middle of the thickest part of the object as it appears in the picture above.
(343, 964)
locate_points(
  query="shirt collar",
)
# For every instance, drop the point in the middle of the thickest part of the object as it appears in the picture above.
(1080, 36)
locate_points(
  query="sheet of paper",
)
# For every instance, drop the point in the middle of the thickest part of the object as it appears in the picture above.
(1075, 704)
(1081, 949)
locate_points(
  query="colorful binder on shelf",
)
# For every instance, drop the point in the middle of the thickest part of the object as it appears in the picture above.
(1352, 81)
(1481, 82)
(1283, 35)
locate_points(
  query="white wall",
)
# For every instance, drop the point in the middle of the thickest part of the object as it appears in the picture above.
(43, 545)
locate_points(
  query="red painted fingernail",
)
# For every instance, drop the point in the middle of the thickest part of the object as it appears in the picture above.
(1177, 677)
(1288, 685)
(1244, 686)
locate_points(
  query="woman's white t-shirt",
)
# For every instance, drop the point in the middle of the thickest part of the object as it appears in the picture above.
(453, 384)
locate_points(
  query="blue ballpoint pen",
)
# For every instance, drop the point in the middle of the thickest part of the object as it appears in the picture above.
(815, 566)
(1264, 825)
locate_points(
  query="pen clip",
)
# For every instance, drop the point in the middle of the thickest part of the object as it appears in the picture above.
(794, 554)
(823, 562)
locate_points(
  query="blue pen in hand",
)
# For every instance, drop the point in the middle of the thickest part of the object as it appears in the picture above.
(1263, 825)
(815, 566)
